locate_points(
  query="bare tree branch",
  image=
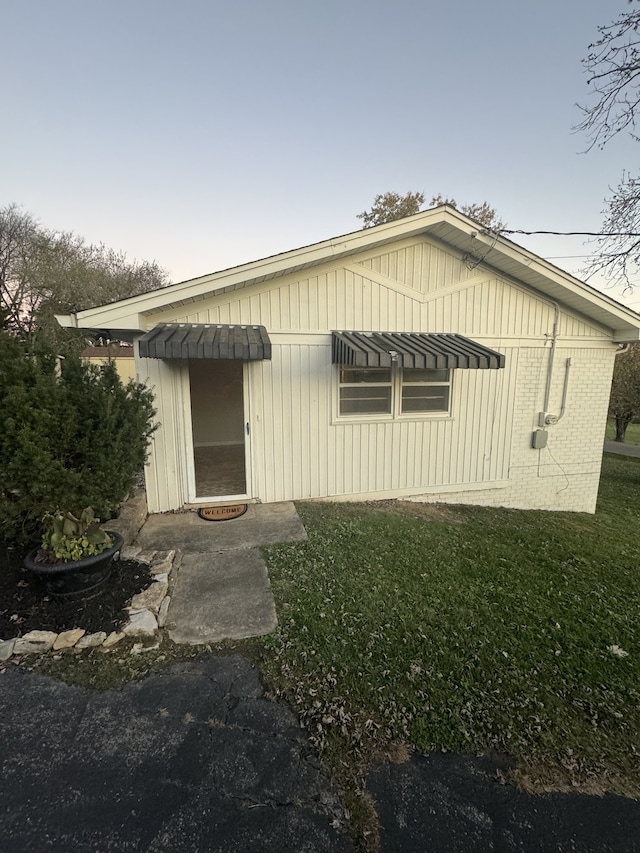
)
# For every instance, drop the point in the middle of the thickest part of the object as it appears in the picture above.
(617, 253)
(613, 65)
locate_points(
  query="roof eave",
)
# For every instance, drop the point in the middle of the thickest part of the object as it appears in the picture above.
(514, 261)
(626, 335)
(276, 265)
(443, 223)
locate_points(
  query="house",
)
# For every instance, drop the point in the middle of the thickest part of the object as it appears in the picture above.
(121, 355)
(424, 359)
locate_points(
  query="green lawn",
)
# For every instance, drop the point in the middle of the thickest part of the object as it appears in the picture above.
(468, 629)
(632, 435)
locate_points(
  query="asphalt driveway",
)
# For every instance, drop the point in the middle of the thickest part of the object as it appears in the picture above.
(195, 760)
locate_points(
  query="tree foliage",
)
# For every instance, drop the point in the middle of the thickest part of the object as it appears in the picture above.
(482, 213)
(69, 438)
(389, 206)
(624, 403)
(613, 66)
(43, 272)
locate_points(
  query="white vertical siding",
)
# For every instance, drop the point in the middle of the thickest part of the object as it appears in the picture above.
(299, 449)
(166, 469)
(345, 299)
(418, 264)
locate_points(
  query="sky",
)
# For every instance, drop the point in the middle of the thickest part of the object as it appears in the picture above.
(203, 134)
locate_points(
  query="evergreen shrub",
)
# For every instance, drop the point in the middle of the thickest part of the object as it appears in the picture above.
(69, 437)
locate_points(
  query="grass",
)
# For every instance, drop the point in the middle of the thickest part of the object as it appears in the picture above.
(631, 436)
(407, 626)
(467, 629)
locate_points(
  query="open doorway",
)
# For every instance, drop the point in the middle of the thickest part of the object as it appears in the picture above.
(217, 418)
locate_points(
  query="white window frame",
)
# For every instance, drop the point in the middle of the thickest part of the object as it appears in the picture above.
(434, 383)
(366, 385)
(397, 383)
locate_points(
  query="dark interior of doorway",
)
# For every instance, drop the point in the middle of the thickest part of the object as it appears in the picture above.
(217, 416)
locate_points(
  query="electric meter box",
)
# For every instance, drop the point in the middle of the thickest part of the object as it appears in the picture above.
(539, 439)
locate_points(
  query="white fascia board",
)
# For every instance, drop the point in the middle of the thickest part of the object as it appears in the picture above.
(67, 321)
(626, 336)
(98, 320)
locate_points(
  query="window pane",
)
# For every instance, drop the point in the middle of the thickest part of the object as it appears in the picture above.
(418, 374)
(366, 375)
(372, 400)
(425, 398)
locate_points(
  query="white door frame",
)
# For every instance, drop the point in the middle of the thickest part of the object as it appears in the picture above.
(192, 500)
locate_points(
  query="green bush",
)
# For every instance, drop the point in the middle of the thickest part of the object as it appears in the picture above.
(66, 441)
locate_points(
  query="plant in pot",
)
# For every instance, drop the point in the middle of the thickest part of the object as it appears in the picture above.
(74, 560)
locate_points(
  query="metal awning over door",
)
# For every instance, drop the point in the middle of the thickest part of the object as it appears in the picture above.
(412, 349)
(206, 340)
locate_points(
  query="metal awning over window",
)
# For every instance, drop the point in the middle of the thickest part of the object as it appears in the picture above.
(204, 340)
(410, 349)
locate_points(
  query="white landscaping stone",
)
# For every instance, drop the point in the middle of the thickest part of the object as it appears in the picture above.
(140, 622)
(162, 613)
(113, 638)
(89, 641)
(163, 557)
(130, 552)
(68, 639)
(6, 649)
(145, 557)
(139, 648)
(35, 642)
(149, 599)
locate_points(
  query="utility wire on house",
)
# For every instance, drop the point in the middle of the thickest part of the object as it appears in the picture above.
(568, 233)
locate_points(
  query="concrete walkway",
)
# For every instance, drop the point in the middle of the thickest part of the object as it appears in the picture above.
(621, 448)
(222, 591)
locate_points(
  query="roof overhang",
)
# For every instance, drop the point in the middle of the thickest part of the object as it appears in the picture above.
(204, 340)
(431, 351)
(444, 224)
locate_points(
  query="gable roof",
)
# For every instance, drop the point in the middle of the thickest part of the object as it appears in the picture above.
(444, 224)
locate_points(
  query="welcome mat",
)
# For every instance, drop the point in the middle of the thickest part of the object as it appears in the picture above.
(222, 513)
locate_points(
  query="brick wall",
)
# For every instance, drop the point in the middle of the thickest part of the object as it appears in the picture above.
(565, 474)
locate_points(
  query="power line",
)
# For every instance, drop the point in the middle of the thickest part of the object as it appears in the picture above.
(572, 233)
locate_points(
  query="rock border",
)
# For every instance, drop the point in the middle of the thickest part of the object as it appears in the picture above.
(147, 613)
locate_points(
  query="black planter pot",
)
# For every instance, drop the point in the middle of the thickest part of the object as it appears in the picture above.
(76, 579)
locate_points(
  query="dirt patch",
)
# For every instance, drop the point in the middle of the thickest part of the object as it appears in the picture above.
(428, 511)
(549, 778)
(24, 605)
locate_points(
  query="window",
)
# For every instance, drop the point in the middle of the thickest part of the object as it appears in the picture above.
(425, 390)
(387, 391)
(365, 391)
